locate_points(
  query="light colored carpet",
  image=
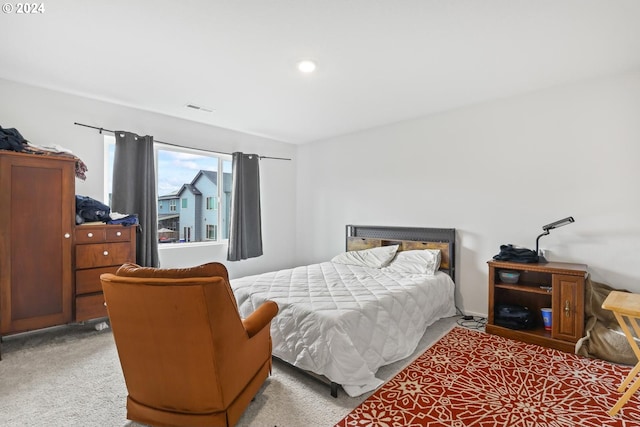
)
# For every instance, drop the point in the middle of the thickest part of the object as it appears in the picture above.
(70, 376)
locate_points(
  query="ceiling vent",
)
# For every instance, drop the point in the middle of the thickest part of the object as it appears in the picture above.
(198, 107)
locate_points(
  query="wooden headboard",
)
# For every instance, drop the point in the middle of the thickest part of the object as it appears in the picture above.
(360, 237)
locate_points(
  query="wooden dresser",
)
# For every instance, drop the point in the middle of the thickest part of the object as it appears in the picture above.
(49, 267)
(99, 249)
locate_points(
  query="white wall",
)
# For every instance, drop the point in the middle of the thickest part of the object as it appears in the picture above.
(47, 117)
(496, 172)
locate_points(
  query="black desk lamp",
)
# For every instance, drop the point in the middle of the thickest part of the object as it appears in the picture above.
(547, 228)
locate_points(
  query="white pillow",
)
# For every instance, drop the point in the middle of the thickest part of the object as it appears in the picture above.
(374, 257)
(422, 261)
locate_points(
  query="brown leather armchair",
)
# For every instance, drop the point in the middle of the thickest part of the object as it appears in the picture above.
(187, 357)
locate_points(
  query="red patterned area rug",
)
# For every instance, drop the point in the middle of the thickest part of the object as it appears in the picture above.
(470, 378)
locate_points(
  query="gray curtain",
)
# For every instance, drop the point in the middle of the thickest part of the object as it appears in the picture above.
(134, 191)
(245, 231)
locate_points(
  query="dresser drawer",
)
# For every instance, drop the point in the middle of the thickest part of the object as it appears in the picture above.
(119, 234)
(88, 234)
(102, 255)
(88, 281)
(90, 307)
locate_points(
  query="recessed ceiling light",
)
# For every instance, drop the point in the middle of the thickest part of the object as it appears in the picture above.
(306, 66)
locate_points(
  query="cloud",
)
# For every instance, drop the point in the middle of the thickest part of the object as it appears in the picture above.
(178, 168)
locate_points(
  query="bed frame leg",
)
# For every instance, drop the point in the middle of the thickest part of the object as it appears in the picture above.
(334, 389)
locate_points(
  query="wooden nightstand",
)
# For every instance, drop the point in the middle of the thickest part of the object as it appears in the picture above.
(557, 285)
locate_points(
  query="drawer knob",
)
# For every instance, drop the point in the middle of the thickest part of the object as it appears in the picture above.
(90, 235)
(105, 253)
(119, 233)
(67, 235)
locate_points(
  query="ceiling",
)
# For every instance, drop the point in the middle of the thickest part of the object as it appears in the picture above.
(379, 61)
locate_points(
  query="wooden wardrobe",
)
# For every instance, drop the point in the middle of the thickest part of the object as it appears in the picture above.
(37, 220)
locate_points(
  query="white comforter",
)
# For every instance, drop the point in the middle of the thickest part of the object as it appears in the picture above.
(344, 321)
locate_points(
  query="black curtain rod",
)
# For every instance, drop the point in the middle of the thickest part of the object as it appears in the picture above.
(176, 145)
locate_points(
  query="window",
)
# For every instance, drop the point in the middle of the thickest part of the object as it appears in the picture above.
(212, 203)
(212, 232)
(194, 192)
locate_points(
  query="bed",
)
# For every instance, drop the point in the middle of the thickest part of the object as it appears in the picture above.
(340, 320)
